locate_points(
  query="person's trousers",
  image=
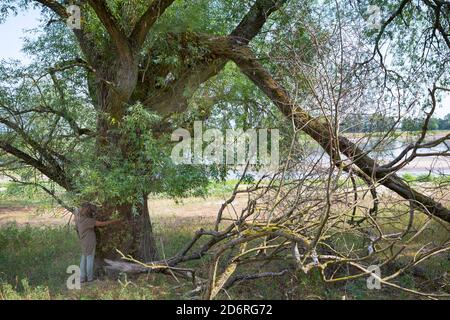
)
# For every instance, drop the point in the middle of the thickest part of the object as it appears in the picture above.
(87, 267)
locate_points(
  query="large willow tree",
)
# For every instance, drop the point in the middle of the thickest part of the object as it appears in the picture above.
(93, 112)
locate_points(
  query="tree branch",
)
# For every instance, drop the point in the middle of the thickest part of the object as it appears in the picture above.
(148, 19)
(56, 175)
(87, 46)
(45, 189)
(254, 20)
(109, 22)
(317, 130)
(167, 100)
(56, 7)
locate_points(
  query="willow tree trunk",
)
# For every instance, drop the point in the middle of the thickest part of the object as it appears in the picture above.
(134, 235)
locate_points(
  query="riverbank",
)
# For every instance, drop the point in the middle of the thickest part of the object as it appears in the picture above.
(407, 135)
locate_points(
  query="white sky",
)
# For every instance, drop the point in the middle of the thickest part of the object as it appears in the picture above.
(14, 29)
(12, 33)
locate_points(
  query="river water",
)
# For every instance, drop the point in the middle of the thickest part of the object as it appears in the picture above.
(382, 152)
(389, 150)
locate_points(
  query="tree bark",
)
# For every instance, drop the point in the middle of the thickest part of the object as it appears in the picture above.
(133, 236)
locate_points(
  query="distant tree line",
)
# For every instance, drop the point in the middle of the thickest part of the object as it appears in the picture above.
(378, 123)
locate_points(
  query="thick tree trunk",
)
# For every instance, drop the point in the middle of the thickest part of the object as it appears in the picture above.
(134, 236)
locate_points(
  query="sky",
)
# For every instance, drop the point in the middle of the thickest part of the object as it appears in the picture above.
(12, 33)
(14, 29)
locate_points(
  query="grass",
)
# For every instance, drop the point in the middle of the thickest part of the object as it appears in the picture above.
(39, 255)
(430, 178)
(33, 263)
(221, 188)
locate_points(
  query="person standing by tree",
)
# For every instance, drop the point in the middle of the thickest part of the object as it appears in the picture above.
(85, 223)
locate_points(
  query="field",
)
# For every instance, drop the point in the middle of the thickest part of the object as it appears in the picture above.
(37, 244)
